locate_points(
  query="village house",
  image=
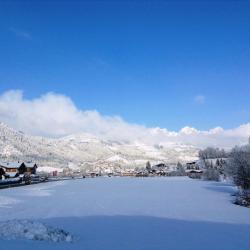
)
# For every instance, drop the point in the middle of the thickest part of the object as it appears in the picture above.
(14, 169)
(30, 167)
(193, 170)
(192, 166)
(141, 174)
(160, 166)
(195, 174)
(11, 169)
(160, 169)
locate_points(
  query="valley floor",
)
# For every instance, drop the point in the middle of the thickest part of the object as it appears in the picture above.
(131, 213)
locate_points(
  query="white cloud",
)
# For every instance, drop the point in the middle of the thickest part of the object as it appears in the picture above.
(56, 115)
(21, 33)
(200, 99)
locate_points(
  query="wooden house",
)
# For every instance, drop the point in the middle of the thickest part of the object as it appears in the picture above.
(11, 168)
(192, 165)
(29, 167)
(14, 169)
(141, 174)
(195, 174)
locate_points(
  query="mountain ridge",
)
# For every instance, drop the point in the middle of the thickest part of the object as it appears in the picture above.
(86, 151)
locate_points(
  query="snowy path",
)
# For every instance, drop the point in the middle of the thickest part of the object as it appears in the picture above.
(131, 213)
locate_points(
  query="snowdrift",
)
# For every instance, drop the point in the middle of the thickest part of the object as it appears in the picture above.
(32, 230)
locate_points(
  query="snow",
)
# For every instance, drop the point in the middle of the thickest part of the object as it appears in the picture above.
(5, 202)
(117, 158)
(24, 229)
(129, 213)
(82, 148)
(47, 169)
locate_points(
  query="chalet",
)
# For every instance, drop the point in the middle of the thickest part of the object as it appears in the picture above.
(192, 165)
(160, 166)
(30, 167)
(195, 174)
(11, 168)
(14, 169)
(159, 169)
(141, 174)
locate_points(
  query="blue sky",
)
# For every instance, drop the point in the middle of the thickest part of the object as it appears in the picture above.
(155, 63)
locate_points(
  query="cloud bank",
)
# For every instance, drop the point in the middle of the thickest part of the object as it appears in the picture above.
(56, 115)
(200, 99)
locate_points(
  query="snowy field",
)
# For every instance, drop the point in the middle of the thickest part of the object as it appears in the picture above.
(126, 213)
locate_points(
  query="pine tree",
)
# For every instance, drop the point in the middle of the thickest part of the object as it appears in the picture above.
(180, 169)
(240, 164)
(148, 166)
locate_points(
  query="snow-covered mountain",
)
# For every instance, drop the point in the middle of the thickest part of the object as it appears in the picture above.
(87, 151)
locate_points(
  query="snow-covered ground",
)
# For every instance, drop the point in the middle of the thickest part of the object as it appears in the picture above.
(128, 213)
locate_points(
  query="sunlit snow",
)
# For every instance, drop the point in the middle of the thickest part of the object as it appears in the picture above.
(131, 213)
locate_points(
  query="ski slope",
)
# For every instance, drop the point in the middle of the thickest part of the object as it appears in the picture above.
(130, 213)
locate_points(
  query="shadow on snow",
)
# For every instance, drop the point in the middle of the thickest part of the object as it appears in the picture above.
(141, 233)
(221, 187)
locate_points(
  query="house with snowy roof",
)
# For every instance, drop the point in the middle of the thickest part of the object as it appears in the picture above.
(30, 167)
(11, 169)
(192, 165)
(194, 170)
(14, 169)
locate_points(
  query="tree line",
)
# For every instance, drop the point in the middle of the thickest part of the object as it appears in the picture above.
(234, 164)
